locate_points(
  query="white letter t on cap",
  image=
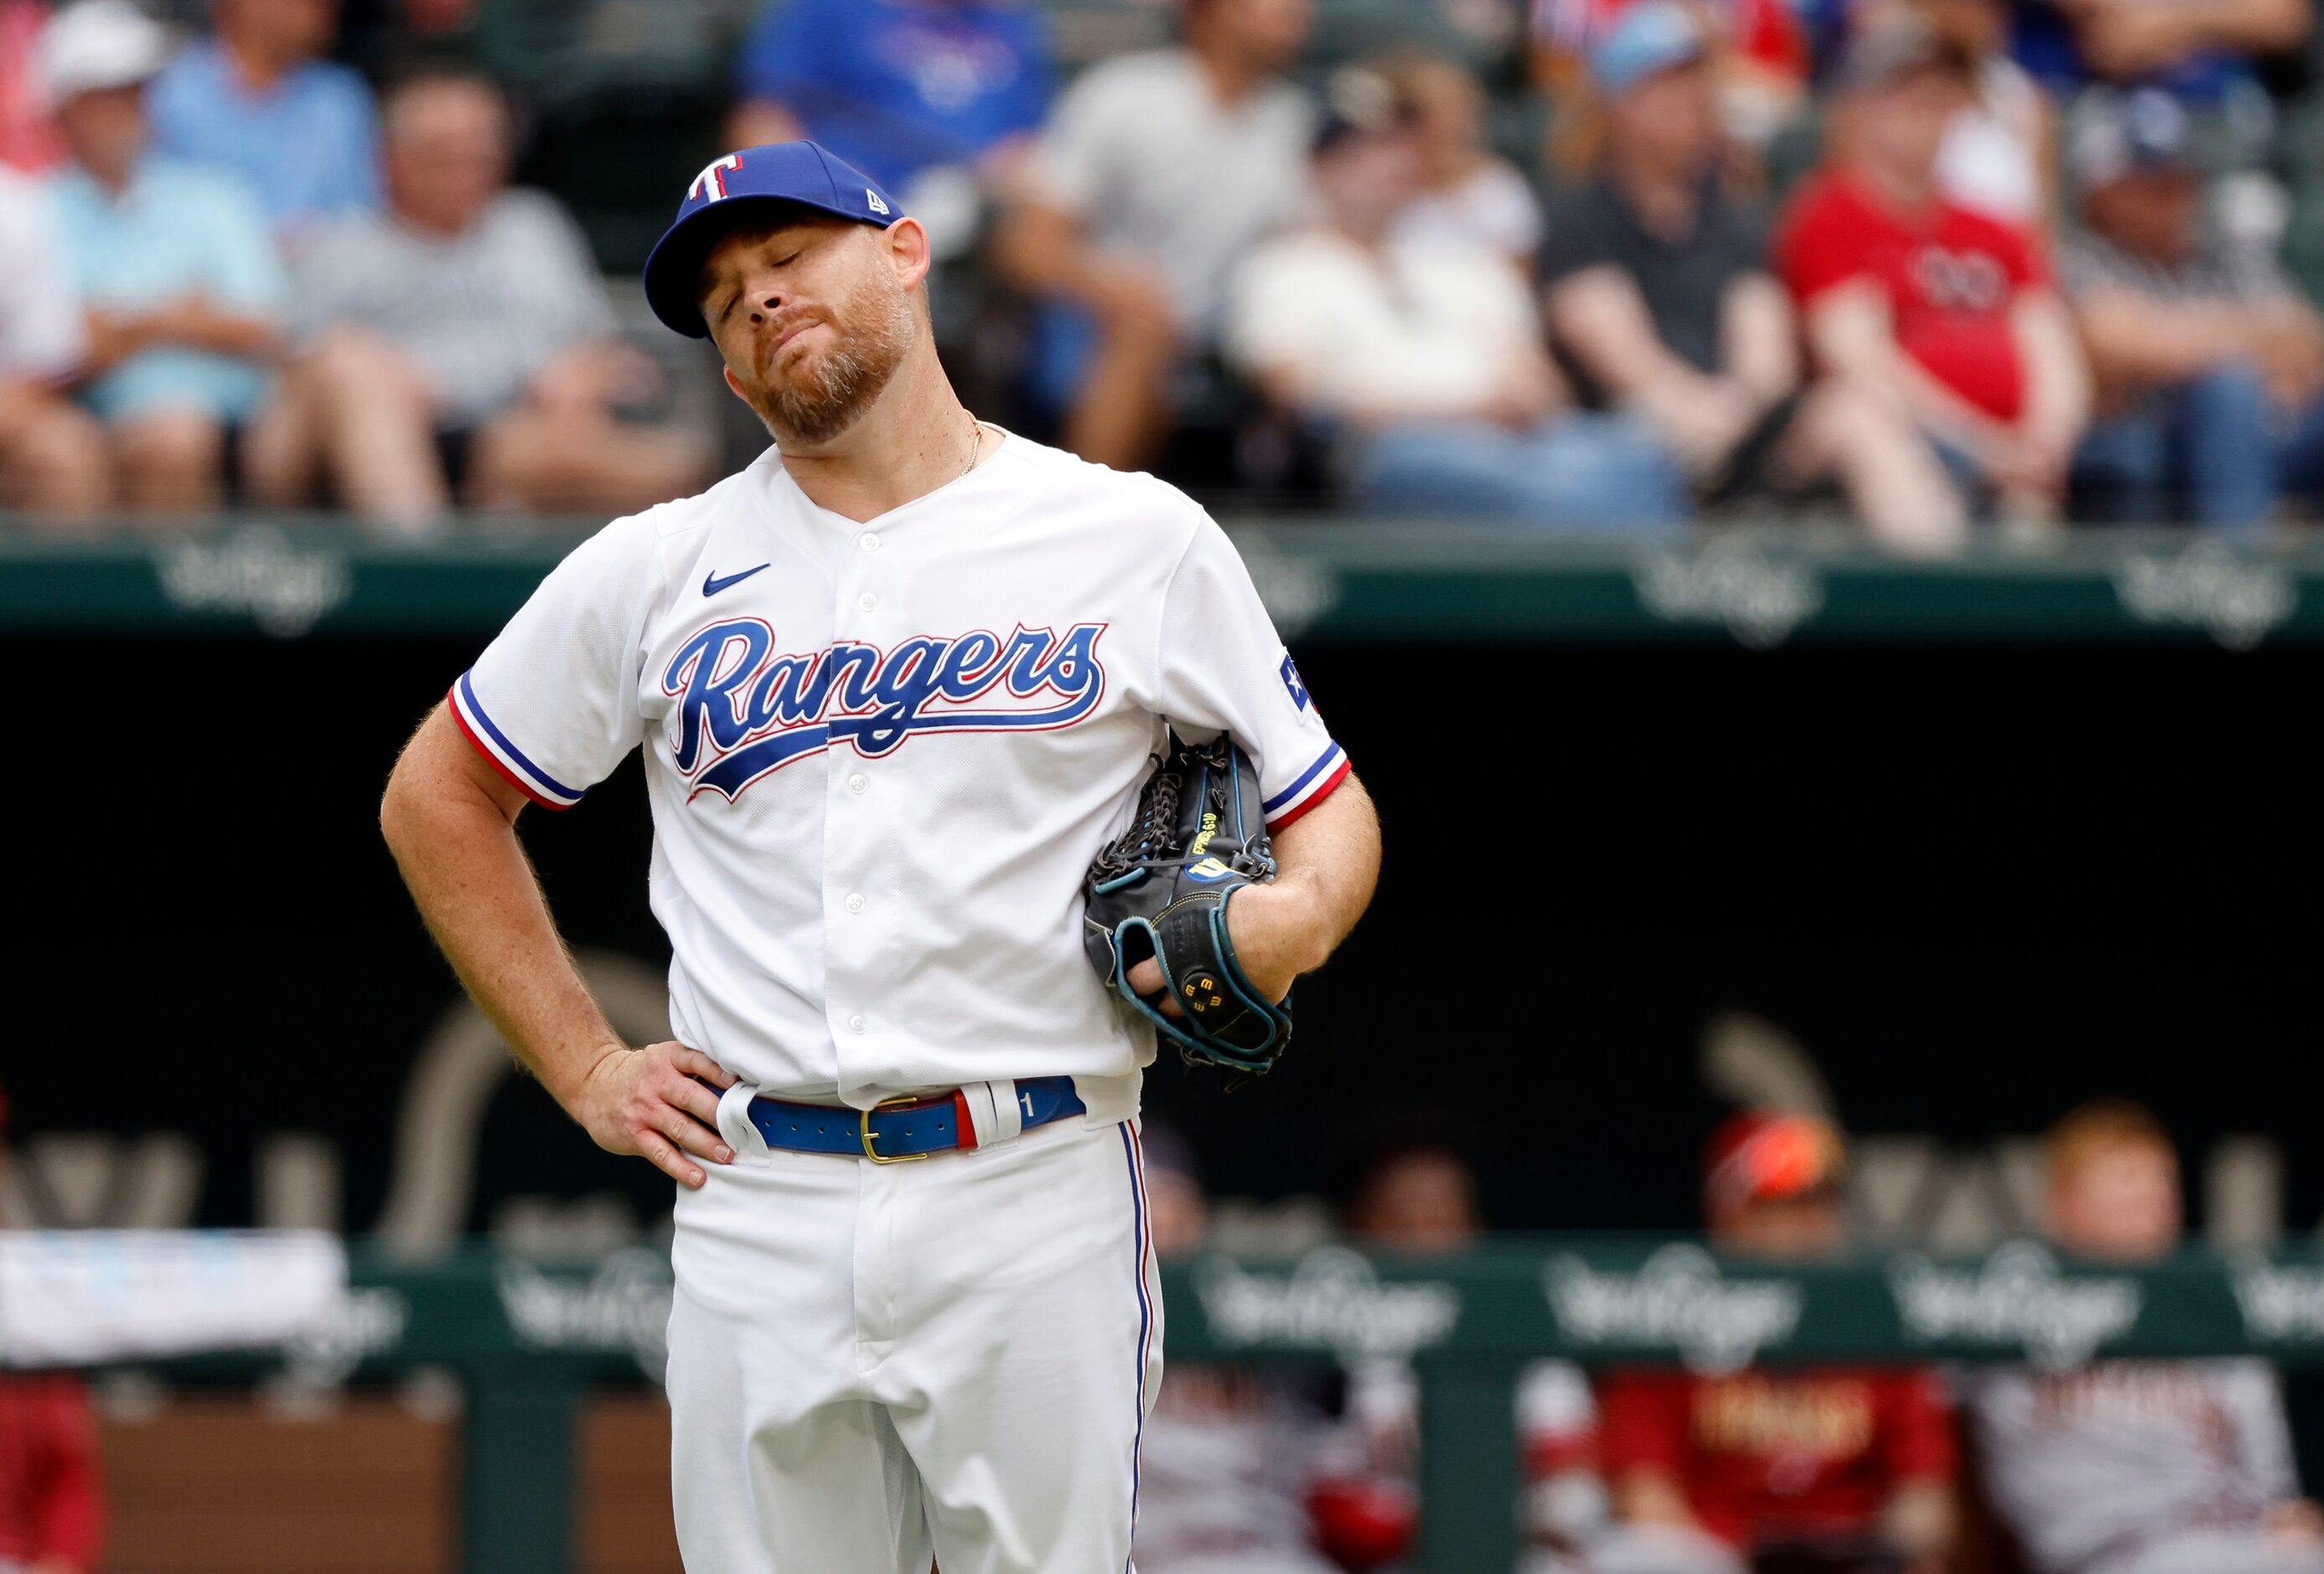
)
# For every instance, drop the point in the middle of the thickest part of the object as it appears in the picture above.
(714, 176)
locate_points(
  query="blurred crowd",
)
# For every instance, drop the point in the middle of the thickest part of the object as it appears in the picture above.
(1606, 266)
(2119, 1467)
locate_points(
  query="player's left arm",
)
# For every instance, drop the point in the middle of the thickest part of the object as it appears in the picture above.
(1327, 863)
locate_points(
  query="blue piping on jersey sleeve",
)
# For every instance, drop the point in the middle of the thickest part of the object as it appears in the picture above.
(1324, 761)
(468, 694)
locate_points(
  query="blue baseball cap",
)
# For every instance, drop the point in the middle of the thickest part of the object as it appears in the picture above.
(1649, 37)
(2112, 135)
(747, 188)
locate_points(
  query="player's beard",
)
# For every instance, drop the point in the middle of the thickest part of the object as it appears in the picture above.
(828, 393)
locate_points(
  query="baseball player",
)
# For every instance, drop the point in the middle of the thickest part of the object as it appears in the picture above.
(2138, 1466)
(893, 683)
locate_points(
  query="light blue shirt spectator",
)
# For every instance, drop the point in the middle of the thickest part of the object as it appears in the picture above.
(176, 230)
(308, 147)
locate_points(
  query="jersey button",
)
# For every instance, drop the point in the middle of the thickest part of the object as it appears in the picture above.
(869, 541)
(858, 782)
(855, 901)
(856, 1022)
(867, 601)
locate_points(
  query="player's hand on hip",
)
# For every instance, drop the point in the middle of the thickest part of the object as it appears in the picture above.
(1271, 934)
(653, 1102)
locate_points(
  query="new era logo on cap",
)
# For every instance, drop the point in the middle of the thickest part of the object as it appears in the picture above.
(872, 200)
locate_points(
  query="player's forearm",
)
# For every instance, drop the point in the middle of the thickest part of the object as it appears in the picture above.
(1327, 863)
(457, 849)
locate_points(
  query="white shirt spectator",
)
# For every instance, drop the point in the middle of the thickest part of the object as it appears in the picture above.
(1154, 167)
(1436, 326)
(44, 337)
(1493, 208)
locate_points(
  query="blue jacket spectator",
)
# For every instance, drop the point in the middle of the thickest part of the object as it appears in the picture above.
(897, 86)
(256, 99)
(2201, 50)
(174, 263)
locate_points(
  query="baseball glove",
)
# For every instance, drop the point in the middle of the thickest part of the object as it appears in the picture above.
(1161, 888)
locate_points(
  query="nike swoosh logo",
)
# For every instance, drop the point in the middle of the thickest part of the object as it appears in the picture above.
(712, 584)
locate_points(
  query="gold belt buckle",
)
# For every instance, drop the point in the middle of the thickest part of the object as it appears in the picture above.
(871, 1136)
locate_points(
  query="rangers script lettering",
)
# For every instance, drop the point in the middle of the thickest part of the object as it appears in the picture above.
(760, 711)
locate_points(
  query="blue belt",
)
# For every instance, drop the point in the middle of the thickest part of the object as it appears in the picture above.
(901, 1128)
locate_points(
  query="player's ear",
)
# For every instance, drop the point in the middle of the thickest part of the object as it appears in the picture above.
(734, 386)
(908, 252)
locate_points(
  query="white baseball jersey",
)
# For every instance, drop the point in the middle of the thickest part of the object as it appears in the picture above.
(881, 756)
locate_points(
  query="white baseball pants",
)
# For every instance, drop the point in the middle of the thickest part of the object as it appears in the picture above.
(874, 1367)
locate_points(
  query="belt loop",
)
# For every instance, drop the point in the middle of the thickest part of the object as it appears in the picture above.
(741, 1132)
(994, 1113)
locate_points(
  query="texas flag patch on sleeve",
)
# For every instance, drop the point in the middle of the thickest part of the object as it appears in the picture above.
(1292, 682)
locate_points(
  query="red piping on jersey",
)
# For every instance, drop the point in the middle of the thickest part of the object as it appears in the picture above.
(452, 703)
(1331, 784)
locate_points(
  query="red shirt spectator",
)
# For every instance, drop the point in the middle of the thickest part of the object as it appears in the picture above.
(1950, 277)
(52, 1489)
(1770, 1455)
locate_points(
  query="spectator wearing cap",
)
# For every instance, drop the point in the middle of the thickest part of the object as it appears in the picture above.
(1657, 296)
(1945, 316)
(257, 98)
(52, 1506)
(1470, 195)
(459, 344)
(908, 91)
(2209, 361)
(52, 457)
(2137, 1466)
(1155, 178)
(1425, 360)
(174, 263)
(1840, 1467)
(1757, 52)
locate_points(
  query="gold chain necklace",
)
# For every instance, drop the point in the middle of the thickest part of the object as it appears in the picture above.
(976, 444)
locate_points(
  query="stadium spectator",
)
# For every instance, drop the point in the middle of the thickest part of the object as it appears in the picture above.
(908, 91)
(1998, 149)
(52, 459)
(2201, 49)
(258, 98)
(1946, 315)
(1424, 360)
(1757, 49)
(1227, 1456)
(1414, 1195)
(174, 263)
(2208, 360)
(1832, 1468)
(1155, 177)
(28, 135)
(459, 343)
(52, 1508)
(2138, 1466)
(1470, 195)
(1659, 299)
